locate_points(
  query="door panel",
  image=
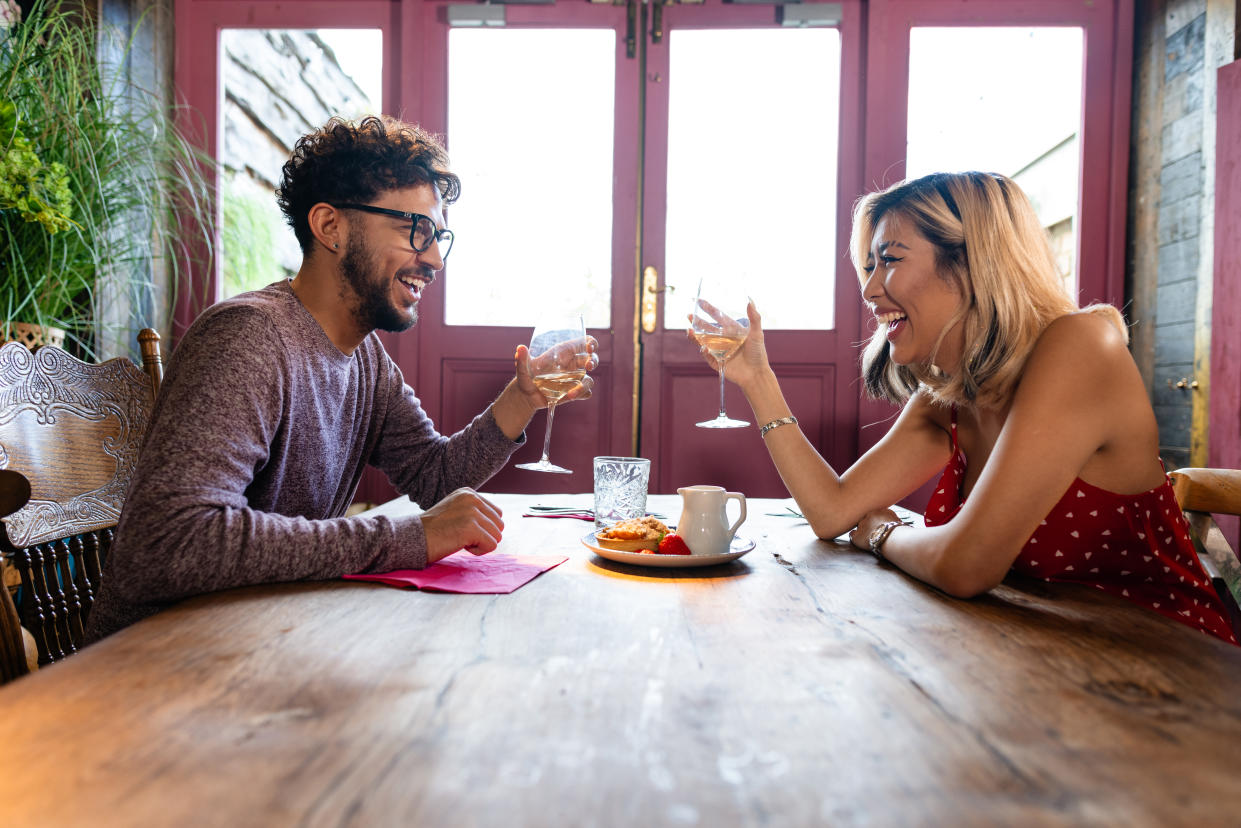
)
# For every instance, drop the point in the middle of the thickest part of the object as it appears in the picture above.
(735, 458)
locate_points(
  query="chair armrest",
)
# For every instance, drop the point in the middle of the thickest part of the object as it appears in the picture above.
(1208, 490)
(14, 491)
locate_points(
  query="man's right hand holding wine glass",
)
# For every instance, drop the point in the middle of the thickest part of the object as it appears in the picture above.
(522, 398)
(529, 367)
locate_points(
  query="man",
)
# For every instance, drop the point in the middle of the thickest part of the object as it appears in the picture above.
(276, 399)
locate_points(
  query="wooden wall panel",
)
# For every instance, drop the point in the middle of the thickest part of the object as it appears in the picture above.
(580, 431)
(735, 458)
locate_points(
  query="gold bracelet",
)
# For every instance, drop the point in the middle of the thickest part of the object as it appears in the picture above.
(762, 432)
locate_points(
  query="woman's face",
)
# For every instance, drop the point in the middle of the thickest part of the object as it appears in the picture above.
(909, 297)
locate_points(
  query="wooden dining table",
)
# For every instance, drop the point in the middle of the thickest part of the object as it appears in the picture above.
(805, 683)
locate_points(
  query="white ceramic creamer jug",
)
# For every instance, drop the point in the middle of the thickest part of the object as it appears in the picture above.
(704, 519)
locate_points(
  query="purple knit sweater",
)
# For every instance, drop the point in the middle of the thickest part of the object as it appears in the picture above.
(255, 448)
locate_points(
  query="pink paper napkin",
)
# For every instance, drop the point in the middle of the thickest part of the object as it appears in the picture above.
(463, 572)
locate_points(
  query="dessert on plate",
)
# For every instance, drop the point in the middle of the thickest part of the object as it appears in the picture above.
(633, 535)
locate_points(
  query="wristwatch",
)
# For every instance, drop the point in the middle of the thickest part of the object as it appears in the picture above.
(880, 534)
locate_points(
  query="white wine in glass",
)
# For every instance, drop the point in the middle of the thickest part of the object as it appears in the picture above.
(558, 356)
(720, 324)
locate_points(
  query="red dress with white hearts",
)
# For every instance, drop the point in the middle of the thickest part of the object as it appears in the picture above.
(1134, 546)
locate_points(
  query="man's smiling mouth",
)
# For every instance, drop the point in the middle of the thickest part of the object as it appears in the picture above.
(415, 282)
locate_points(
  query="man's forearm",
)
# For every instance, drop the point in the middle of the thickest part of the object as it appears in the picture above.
(163, 560)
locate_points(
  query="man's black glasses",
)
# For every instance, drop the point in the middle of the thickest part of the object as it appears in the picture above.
(421, 233)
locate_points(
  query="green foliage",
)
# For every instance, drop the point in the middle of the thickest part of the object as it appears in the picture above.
(98, 185)
(248, 238)
(37, 192)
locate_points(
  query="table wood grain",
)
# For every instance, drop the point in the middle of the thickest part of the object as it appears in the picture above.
(804, 684)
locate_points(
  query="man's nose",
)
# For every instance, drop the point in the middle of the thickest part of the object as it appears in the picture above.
(431, 257)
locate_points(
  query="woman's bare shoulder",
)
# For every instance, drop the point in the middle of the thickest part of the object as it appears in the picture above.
(924, 411)
(1090, 340)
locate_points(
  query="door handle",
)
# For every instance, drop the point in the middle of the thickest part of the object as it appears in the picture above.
(650, 280)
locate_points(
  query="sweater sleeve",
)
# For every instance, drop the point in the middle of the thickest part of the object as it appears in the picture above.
(187, 526)
(426, 465)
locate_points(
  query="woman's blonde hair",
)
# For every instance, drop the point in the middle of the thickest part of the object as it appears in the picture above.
(990, 244)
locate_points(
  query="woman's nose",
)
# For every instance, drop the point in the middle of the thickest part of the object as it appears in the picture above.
(872, 288)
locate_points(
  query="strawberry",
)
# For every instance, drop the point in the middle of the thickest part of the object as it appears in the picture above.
(673, 544)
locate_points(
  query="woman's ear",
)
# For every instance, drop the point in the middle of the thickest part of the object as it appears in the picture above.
(328, 225)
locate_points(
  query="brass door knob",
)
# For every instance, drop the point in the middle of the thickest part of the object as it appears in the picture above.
(650, 280)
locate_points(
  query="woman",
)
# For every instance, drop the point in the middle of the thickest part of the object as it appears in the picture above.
(1030, 408)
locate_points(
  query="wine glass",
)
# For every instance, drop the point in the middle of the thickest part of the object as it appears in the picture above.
(558, 357)
(720, 323)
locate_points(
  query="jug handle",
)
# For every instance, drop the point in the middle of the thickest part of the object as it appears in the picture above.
(740, 498)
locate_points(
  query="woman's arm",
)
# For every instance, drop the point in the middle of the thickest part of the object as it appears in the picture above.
(1080, 399)
(913, 450)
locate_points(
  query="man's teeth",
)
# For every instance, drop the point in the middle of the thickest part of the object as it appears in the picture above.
(889, 318)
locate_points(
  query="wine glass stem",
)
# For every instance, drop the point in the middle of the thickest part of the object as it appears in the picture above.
(547, 436)
(722, 414)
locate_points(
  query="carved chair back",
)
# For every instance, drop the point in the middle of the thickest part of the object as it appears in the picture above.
(72, 430)
(1202, 493)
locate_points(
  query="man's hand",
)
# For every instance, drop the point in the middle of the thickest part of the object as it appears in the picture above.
(565, 356)
(463, 520)
(521, 398)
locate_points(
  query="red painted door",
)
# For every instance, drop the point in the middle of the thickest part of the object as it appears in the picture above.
(547, 222)
(752, 160)
(651, 387)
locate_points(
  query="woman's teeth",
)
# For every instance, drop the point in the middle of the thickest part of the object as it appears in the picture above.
(889, 318)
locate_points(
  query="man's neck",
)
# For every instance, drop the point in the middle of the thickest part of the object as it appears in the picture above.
(322, 294)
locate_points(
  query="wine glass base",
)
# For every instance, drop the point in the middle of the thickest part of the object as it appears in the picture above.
(723, 422)
(541, 466)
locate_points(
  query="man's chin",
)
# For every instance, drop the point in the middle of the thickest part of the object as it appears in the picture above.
(397, 323)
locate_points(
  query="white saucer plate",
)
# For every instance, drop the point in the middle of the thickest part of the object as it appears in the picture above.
(736, 549)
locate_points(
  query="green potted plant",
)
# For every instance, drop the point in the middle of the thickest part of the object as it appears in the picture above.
(98, 189)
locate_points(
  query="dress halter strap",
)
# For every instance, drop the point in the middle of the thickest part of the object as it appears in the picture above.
(952, 426)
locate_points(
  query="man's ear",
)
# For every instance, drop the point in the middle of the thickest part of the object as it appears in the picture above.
(328, 225)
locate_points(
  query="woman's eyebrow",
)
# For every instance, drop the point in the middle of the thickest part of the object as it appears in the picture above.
(885, 245)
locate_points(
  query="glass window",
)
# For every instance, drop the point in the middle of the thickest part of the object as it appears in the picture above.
(752, 144)
(1006, 100)
(530, 132)
(280, 84)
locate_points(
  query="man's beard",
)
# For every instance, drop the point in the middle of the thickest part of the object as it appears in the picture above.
(374, 309)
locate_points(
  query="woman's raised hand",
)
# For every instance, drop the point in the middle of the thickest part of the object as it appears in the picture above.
(750, 361)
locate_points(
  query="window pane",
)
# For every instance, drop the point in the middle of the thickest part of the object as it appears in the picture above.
(1006, 100)
(752, 169)
(530, 114)
(280, 84)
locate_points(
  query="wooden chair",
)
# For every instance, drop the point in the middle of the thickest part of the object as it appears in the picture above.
(1201, 493)
(69, 439)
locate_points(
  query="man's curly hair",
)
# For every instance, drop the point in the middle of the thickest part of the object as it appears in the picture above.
(347, 161)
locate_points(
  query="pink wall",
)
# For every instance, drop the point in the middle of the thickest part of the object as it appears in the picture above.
(1224, 439)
